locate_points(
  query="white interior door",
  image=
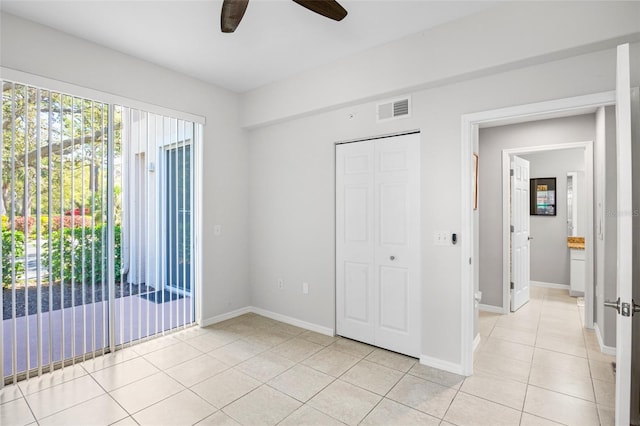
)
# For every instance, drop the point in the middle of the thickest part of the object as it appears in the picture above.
(355, 240)
(377, 242)
(625, 241)
(397, 233)
(520, 256)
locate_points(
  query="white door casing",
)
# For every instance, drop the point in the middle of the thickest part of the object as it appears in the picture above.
(520, 255)
(377, 242)
(625, 237)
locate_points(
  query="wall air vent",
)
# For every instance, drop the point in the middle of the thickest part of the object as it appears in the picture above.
(394, 109)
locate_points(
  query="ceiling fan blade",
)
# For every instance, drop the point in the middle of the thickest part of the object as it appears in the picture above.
(329, 8)
(232, 13)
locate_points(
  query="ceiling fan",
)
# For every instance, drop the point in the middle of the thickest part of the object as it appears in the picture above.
(233, 11)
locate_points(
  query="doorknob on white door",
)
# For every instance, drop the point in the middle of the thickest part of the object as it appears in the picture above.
(392, 257)
(615, 305)
(624, 309)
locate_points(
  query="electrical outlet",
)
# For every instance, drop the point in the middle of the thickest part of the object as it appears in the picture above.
(280, 283)
(305, 288)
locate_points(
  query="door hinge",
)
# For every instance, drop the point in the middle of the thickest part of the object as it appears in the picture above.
(511, 172)
(512, 228)
(511, 286)
(469, 261)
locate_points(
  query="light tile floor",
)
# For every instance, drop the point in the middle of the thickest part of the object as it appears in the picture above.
(536, 366)
(542, 362)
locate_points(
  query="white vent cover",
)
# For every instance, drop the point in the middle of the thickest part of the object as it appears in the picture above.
(397, 108)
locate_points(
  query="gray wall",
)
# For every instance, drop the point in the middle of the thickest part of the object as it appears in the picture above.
(492, 141)
(550, 257)
(607, 324)
(605, 225)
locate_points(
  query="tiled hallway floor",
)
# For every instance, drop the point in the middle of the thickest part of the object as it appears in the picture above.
(542, 361)
(532, 367)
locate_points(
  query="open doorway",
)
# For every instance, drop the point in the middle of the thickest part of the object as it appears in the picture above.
(598, 210)
(552, 215)
(527, 114)
(471, 124)
(627, 104)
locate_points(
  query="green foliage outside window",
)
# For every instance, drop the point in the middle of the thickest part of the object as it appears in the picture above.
(87, 248)
(10, 262)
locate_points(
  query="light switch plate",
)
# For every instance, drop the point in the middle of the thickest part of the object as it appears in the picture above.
(442, 238)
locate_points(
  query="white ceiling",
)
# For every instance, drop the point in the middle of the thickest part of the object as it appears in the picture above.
(275, 40)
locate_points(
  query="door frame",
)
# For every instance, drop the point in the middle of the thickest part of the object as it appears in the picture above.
(164, 219)
(470, 123)
(506, 218)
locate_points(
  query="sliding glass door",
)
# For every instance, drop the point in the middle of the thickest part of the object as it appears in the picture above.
(96, 228)
(178, 214)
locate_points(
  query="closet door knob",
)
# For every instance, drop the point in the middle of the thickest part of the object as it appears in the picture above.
(392, 258)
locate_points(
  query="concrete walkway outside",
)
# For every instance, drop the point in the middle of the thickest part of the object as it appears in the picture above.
(84, 329)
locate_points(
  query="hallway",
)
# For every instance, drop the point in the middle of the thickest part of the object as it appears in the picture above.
(540, 359)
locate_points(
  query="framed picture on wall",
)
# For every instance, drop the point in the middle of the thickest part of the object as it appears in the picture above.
(543, 196)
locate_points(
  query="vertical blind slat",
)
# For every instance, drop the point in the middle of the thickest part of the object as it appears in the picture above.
(50, 224)
(38, 235)
(14, 339)
(25, 217)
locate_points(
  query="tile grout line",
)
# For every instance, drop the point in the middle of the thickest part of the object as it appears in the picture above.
(533, 355)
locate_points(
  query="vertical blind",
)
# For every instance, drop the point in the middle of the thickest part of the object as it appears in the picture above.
(97, 240)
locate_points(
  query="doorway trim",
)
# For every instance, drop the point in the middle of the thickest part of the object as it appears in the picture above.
(470, 124)
(506, 218)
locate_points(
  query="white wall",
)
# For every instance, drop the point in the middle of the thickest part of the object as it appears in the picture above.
(292, 173)
(550, 255)
(499, 60)
(495, 59)
(292, 190)
(36, 49)
(507, 37)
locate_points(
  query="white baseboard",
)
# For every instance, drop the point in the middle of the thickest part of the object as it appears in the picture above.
(491, 308)
(294, 321)
(549, 285)
(278, 317)
(609, 350)
(476, 342)
(441, 364)
(223, 317)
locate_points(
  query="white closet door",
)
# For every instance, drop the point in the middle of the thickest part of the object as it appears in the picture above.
(377, 242)
(355, 241)
(397, 233)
